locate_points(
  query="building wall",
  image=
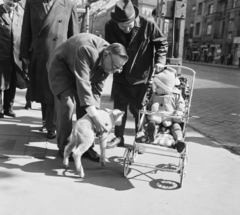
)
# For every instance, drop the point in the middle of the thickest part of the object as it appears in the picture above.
(224, 36)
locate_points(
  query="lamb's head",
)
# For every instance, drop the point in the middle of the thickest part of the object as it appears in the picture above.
(117, 115)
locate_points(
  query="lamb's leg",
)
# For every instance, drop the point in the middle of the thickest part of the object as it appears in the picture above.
(78, 164)
(68, 149)
(103, 145)
(77, 155)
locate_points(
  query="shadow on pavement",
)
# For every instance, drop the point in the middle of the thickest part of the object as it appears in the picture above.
(110, 176)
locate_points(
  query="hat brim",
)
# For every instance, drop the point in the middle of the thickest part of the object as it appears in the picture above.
(117, 20)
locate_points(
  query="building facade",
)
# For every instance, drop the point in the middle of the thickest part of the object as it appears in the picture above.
(212, 31)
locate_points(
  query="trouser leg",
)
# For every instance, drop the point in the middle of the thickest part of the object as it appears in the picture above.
(50, 117)
(9, 94)
(65, 108)
(134, 110)
(121, 103)
(43, 107)
(28, 97)
(177, 131)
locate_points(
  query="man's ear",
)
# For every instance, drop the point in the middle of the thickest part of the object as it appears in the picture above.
(105, 54)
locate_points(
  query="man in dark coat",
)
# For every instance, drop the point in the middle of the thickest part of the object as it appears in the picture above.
(46, 25)
(147, 48)
(77, 71)
(11, 16)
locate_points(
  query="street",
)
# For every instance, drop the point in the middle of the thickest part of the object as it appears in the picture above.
(215, 110)
(34, 182)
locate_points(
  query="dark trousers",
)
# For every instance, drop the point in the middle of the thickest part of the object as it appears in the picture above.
(65, 103)
(7, 96)
(49, 116)
(124, 96)
(28, 95)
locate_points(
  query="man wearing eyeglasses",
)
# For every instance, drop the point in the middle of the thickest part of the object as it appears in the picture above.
(77, 70)
(11, 18)
(146, 47)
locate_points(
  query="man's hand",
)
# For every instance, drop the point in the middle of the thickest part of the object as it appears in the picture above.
(26, 61)
(158, 67)
(100, 125)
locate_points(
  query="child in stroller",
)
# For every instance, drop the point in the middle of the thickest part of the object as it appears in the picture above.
(164, 127)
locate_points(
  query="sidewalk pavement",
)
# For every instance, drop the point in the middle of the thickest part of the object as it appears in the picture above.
(234, 69)
(33, 181)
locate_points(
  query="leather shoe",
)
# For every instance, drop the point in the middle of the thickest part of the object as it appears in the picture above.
(70, 156)
(92, 155)
(43, 128)
(51, 134)
(9, 113)
(116, 141)
(1, 115)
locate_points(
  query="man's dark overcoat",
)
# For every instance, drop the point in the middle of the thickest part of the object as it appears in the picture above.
(42, 32)
(10, 33)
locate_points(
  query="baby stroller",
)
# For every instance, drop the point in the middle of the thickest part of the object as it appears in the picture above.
(187, 77)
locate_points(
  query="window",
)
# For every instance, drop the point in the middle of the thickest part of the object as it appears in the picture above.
(229, 37)
(210, 9)
(234, 3)
(191, 30)
(230, 25)
(223, 27)
(197, 29)
(209, 28)
(200, 8)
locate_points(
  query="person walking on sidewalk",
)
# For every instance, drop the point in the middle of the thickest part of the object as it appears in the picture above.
(77, 71)
(11, 16)
(147, 48)
(46, 25)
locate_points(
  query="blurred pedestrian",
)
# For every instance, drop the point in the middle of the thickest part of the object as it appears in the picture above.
(77, 72)
(11, 16)
(230, 59)
(205, 56)
(47, 24)
(147, 48)
(222, 59)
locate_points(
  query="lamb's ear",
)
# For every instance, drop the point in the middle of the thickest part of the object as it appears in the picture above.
(108, 110)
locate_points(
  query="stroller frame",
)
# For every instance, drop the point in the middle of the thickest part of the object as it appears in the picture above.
(130, 153)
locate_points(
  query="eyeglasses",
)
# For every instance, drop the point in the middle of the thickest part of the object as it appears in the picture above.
(115, 68)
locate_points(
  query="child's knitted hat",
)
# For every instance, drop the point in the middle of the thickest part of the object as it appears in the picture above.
(166, 80)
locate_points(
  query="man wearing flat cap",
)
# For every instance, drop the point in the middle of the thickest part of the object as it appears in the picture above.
(147, 48)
